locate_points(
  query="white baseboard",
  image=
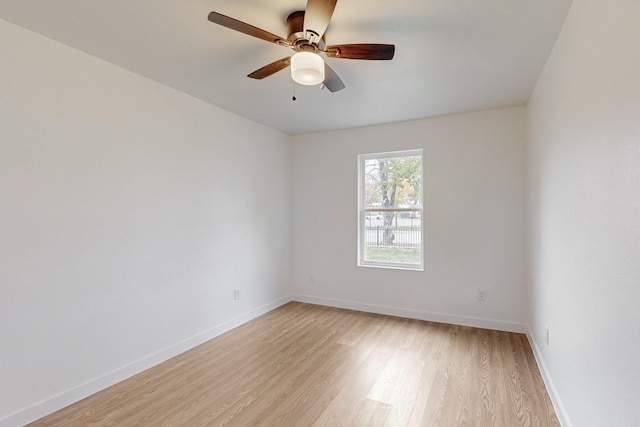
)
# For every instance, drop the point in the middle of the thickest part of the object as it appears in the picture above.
(68, 397)
(415, 314)
(551, 389)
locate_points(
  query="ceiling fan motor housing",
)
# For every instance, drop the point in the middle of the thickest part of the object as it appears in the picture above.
(296, 35)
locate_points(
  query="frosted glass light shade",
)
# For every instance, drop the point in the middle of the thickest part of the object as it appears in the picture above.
(307, 68)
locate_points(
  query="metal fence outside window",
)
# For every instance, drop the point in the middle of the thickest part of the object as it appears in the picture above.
(404, 236)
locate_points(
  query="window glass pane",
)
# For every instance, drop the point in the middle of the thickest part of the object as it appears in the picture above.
(390, 204)
(393, 237)
(393, 182)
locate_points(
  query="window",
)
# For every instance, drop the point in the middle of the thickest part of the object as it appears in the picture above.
(390, 210)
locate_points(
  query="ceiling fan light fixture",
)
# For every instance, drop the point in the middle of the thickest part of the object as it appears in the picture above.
(307, 68)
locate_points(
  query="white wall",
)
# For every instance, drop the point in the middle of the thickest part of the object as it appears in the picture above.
(584, 161)
(128, 213)
(474, 178)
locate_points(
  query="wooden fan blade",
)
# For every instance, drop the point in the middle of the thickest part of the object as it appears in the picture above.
(361, 51)
(245, 28)
(272, 68)
(331, 79)
(317, 16)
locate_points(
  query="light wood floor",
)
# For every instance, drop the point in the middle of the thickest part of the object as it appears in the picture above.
(303, 365)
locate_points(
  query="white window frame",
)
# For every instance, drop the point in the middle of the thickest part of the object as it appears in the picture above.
(363, 210)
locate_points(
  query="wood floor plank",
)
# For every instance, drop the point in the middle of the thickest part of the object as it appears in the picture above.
(350, 405)
(308, 365)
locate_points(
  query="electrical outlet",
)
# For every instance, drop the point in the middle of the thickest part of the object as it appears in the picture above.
(236, 294)
(546, 336)
(481, 294)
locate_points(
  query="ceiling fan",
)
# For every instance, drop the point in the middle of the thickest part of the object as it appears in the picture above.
(305, 36)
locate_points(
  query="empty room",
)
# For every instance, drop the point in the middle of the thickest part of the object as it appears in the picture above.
(319, 212)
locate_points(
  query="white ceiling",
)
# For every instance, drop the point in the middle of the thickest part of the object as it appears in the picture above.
(451, 56)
